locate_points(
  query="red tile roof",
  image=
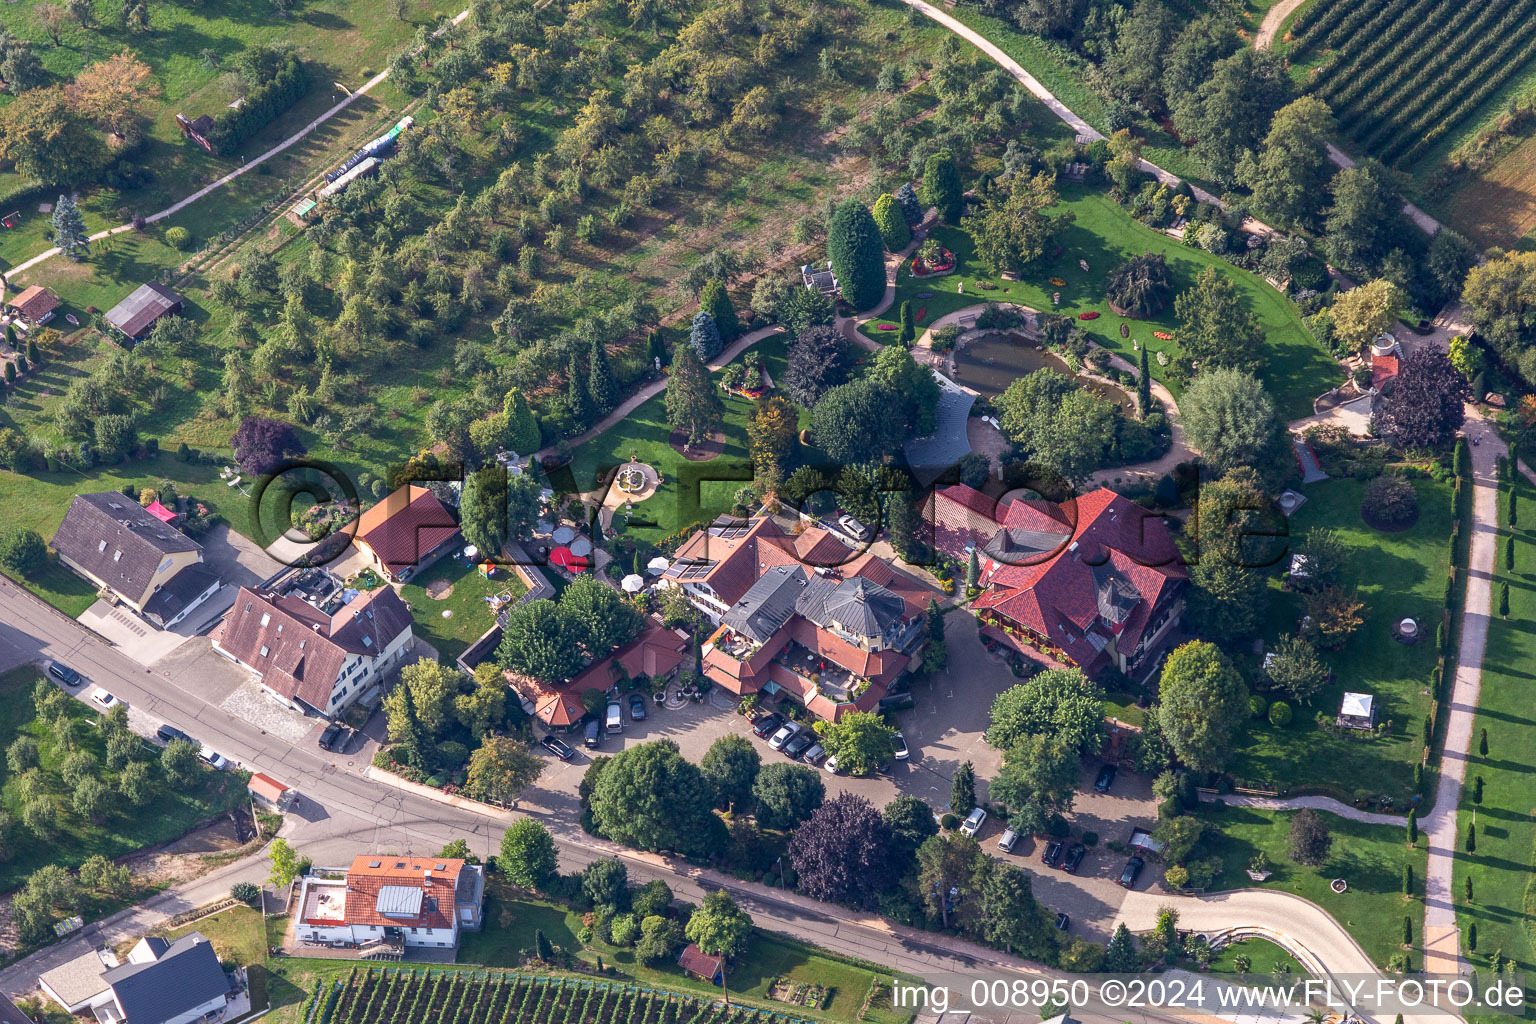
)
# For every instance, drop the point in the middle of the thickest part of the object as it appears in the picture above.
(1383, 368)
(655, 653)
(266, 787)
(694, 960)
(35, 302)
(438, 880)
(405, 527)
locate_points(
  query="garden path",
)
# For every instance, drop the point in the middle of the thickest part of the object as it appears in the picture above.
(1317, 803)
(1273, 19)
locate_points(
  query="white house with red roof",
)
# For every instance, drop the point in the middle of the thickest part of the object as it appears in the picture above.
(384, 903)
(1095, 582)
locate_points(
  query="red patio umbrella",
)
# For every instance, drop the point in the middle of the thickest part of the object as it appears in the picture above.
(562, 557)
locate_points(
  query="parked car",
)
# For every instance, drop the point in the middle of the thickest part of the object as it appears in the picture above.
(1132, 870)
(594, 736)
(555, 745)
(778, 739)
(853, 528)
(344, 740)
(328, 737)
(798, 744)
(1074, 857)
(972, 823)
(170, 732)
(213, 759)
(1106, 778)
(64, 674)
(1051, 858)
(615, 717)
(831, 764)
(814, 755)
(768, 724)
(104, 698)
(637, 706)
(1008, 840)
(902, 750)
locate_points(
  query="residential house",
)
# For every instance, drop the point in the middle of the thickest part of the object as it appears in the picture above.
(1095, 582)
(35, 305)
(800, 614)
(163, 982)
(407, 531)
(314, 646)
(382, 904)
(657, 654)
(136, 315)
(145, 563)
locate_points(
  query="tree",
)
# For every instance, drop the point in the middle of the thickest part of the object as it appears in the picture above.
(1361, 314)
(1289, 174)
(856, 423)
(659, 939)
(1472, 838)
(692, 400)
(1135, 65)
(286, 864)
(1203, 704)
(539, 642)
(577, 398)
(21, 755)
(1011, 916)
(719, 927)
(908, 324)
(910, 821)
(1058, 702)
(1296, 669)
(1057, 423)
(1477, 790)
(262, 444)
(891, 223)
(1426, 403)
(731, 766)
(483, 509)
(113, 93)
(1120, 955)
(950, 869)
(856, 254)
(1217, 328)
(1038, 778)
(1390, 501)
(941, 186)
(1228, 418)
(1413, 826)
(1335, 614)
(1310, 838)
(136, 784)
(1191, 60)
(528, 857)
(428, 688)
(69, 232)
(1324, 556)
(91, 799)
(772, 429)
(787, 794)
(1011, 229)
(600, 615)
(1363, 218)
(1482, 743)
(716, 301)
(1232, 109)
(818, 362)
(23, 551)
(501, 768)
(648, 796)
(606, 883)
(180, 763)
(48, 142)
(1143, 383)
(652, 898)
(962, 789)
(1141, 286)
(82, 11)
(842, 853)
(521, 431)
(861, 741)
(602, 388)
(1230, 592)
(1179, 835)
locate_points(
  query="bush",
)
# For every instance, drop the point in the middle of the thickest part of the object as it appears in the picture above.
(1257, 705)
(1390, 501)
(950, 822)
(1280, 714)
(246, 892)
(178, 238)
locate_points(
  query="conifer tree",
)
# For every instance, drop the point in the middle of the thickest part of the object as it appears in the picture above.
(602, 389)
(69, 232)
(716, 301)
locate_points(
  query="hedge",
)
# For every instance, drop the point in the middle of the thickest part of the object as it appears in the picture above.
(262, 105)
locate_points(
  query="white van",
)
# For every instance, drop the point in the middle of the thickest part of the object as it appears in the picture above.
(615, 716)
(1008, 840)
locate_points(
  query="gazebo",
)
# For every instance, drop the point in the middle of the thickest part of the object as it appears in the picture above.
(1358, 711)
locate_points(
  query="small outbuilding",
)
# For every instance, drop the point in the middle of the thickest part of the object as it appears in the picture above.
(701, 965)
(268, 792)
(136, 315)
(1358, 711)
(35, 305)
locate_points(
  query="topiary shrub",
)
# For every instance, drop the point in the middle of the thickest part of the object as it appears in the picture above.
(949, 822)
(178, 237)
(1257, 705)
(1390, 503)
(1280, 714)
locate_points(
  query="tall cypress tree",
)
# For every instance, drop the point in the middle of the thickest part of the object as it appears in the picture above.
(892, 223)
(601, 387)
(522, 430)
(856, 253)
(941, 186)
(908, 325)
(1143, 383)
(576, 391)
(716, 301)
(69, 232)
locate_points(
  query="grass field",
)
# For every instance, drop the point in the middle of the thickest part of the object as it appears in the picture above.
(1504, 892)
(1398, 574)
(1295, 367)
(126, 828)
(239, 937)
(1497, 205)
(1262, 954)
(1369, 857)
(471, 615)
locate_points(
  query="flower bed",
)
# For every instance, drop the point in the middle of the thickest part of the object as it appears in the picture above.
(944, 264)
(1090, 315)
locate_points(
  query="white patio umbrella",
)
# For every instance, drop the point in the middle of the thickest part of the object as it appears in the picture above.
(633, 584)
(581, 547)
(471, 551)
(564, 535)
(657, 566)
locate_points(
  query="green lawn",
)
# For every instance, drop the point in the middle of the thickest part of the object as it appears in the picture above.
(1369, 857)
(171, 814)
(1504, 888)
(767, 957)
(1295, 369)
(1398, 574)
(239, 937)
(1262, 954)
(471, 614)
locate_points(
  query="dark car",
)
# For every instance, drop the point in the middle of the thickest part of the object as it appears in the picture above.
(1106, 778)
(561, 749)
(1074, 857)
(1053, 851)
(1132, 870)
(170, 732)
(329, 737)
(637, 707)
(64, 674)
(798, 744)
(594, 737)
(344, 739)
(767, 725)
(1063, 922)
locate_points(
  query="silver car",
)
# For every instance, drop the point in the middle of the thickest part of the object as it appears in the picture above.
(973, 821)
(778, 739)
